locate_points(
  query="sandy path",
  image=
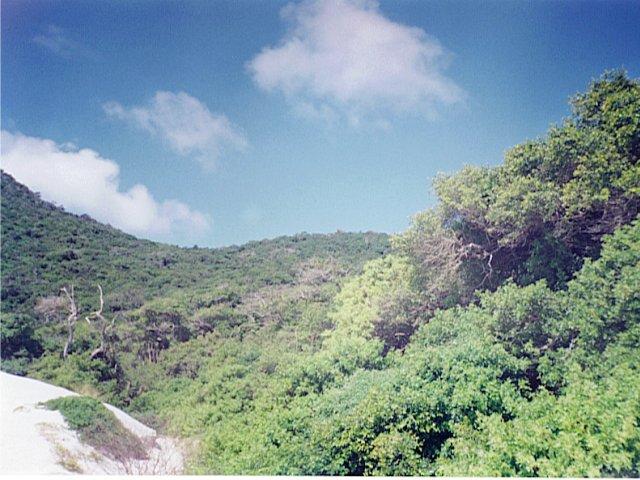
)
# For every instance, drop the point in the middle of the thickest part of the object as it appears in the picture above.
(34, 440)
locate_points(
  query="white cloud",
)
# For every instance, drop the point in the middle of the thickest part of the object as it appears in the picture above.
(56, 41)
(84, 182)
(343, 57)
(185, 123)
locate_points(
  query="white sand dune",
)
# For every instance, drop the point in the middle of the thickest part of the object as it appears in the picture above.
(34, 440)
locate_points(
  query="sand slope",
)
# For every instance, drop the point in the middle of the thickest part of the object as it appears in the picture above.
(34, 440)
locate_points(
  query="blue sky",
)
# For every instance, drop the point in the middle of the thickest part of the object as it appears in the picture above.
(216, 123)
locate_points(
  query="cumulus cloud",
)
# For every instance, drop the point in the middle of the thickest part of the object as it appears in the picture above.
(343, 57)
(184, 123)
(84, 182)
(55, 39)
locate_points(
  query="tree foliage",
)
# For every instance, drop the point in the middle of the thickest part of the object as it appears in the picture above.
(543, 210)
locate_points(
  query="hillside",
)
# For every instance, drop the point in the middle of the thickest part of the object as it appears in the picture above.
(45, 247)
(498, 336)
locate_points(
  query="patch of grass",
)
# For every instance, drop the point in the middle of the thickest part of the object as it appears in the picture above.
(67, 460)
(99, 427)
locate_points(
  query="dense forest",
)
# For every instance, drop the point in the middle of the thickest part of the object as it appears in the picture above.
(499, 335)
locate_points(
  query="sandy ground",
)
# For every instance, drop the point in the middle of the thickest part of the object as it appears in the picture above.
(34, 440)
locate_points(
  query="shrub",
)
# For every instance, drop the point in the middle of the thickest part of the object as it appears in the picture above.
(99, 427)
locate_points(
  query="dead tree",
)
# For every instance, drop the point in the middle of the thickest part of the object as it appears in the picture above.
(54, 309)
(72, 318)
(104, 326)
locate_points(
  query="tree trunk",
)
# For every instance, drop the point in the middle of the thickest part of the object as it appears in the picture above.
(67, 345)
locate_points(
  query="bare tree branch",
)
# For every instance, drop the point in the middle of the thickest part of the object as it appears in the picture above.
(104, 326)
(72, 318)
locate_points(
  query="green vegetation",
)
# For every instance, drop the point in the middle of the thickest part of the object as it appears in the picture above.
(159, 295)
(498, 335)
(98, 427)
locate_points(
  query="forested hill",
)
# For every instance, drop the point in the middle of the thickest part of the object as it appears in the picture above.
(45, 248)
(499, 334)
